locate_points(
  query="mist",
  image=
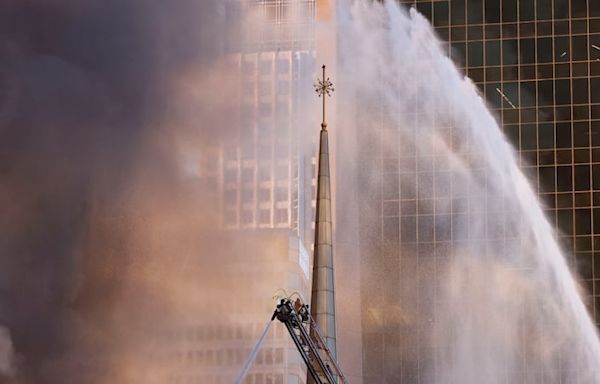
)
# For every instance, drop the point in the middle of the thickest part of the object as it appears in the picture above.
(462, 277)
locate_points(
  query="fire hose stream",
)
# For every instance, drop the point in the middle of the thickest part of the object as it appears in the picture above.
(253, 353)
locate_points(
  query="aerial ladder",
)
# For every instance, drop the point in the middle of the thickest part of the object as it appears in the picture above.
(307, 337)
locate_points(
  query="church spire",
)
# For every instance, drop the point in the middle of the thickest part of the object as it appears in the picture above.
(323, 292)
(324, 87)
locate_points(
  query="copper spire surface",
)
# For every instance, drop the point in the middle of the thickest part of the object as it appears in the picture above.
(323, 292)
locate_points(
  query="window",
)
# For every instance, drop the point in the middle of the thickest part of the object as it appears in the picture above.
(509, 30)
(512, 133)
(546, 136)
(264, 89)
(248, 68)
(561, 9)
(283, 87)
(565, 221)
(264, 194)
(281, 215)
(283, 66)
(457, 11)
(547, 175)
(475, 50)
(526, 10)
(581, 156)
(492, 11)
(511, 91)
(595, 133)
(390, 187)
(564, 200)
(391, 231)
(443, 227)
(562, 49)
(528, 93)
(425, 224)
(492, 52)
(474, 12)
(527, 51)
(247, 217)
(580, 91)
(545, 92)
(458, 33)
(582, 177)
(492, 74)
(563, 92)
(595, 88)
(425, 8)
(583, 222)
(580, 47)
(492, 31)
(578, 9)
(440, 13)
(564, 157)
(425, 185)
(584, 264)
(492, 96)
(509, 52)
(458, 53)
(563, 179)
(509, 10)
(476, 74)
(528, 137)
(281, 193)
(544, 9)
(594, 47)
(475, 32)
(544, 50)
(594, 8)
(265, 67)
(390, 208)
(408, 230)
(596, 180)
(248, 195)
(581, 134)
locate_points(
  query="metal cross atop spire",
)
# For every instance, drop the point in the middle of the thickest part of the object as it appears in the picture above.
(324, 87)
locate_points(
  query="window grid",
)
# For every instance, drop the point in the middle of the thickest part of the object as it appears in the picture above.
(578, 62)
(554, 135)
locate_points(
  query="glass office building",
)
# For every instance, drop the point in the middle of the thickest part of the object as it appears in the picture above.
(537, 64)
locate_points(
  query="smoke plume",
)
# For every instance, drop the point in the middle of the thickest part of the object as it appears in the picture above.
(96, 99)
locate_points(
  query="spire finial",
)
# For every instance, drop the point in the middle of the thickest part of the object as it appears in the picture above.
(324, 87)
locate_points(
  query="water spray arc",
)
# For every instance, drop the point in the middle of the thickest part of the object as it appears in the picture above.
(454, 242)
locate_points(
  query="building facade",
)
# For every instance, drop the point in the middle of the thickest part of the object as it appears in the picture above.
(262, 172)
(538, 64)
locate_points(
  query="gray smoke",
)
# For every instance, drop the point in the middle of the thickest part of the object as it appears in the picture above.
(86, 93)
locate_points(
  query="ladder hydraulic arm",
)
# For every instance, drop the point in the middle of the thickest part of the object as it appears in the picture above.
(320, 363)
